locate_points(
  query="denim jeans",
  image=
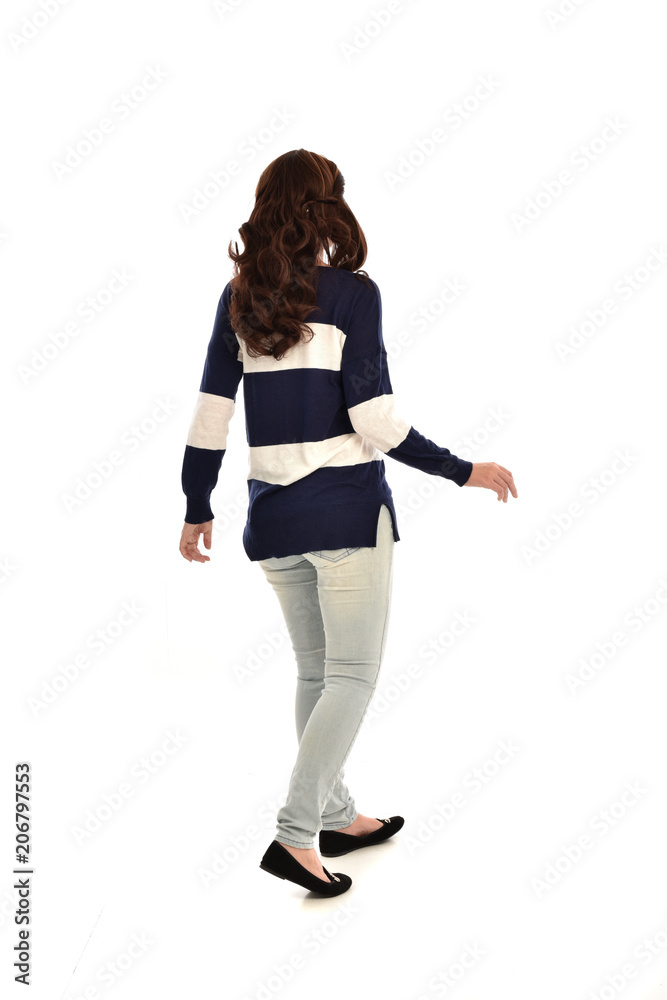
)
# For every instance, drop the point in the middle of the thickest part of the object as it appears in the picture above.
(336, 607)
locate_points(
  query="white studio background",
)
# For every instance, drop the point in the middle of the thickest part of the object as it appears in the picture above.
(513, 152)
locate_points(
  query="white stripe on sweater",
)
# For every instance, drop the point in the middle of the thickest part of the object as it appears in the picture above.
(323, 350)
(210, 421)
(377, 420)
(285, 463)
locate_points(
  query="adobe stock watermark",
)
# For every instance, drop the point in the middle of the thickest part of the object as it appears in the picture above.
(86, 311)
(98, 642)
(562, 12)
(94, 136)
(624, 289)
(114, 969)
(453, 118)
(375, 24)
(7, 907)
(33, 24)
(223, 7)
(645, 952)
(591, 491)
(7, 569)
(219, 179)
(425, 315)
(468, 444)
(431, 652)
(417, 497)
(257, 657)
(466, 447)
(227, 514)
(472, 783)
(230, 513)
(580, 159)
(635, 621)
(600, 824)
(238, 845)
(140, 774)
(103, 469)
(445, 979)
(311, 944)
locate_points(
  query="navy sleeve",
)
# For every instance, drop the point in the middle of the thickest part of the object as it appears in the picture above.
(207, 437)
(370, 401)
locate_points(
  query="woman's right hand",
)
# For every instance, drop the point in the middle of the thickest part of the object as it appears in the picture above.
(492, 476)
(189, 544)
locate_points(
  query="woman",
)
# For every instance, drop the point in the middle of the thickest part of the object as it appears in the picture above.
(302, 325)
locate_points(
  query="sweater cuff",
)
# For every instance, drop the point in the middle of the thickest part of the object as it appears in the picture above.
(457, 469)
(198, 510)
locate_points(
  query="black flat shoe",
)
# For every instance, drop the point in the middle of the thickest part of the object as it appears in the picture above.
(333, 843)
(278, 861)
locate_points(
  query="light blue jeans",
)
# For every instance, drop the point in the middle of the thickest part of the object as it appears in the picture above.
(336, 607)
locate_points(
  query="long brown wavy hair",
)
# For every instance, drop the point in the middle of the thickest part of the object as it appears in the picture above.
(299, 211)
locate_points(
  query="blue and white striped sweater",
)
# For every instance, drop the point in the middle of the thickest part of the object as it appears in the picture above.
(318, 422)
